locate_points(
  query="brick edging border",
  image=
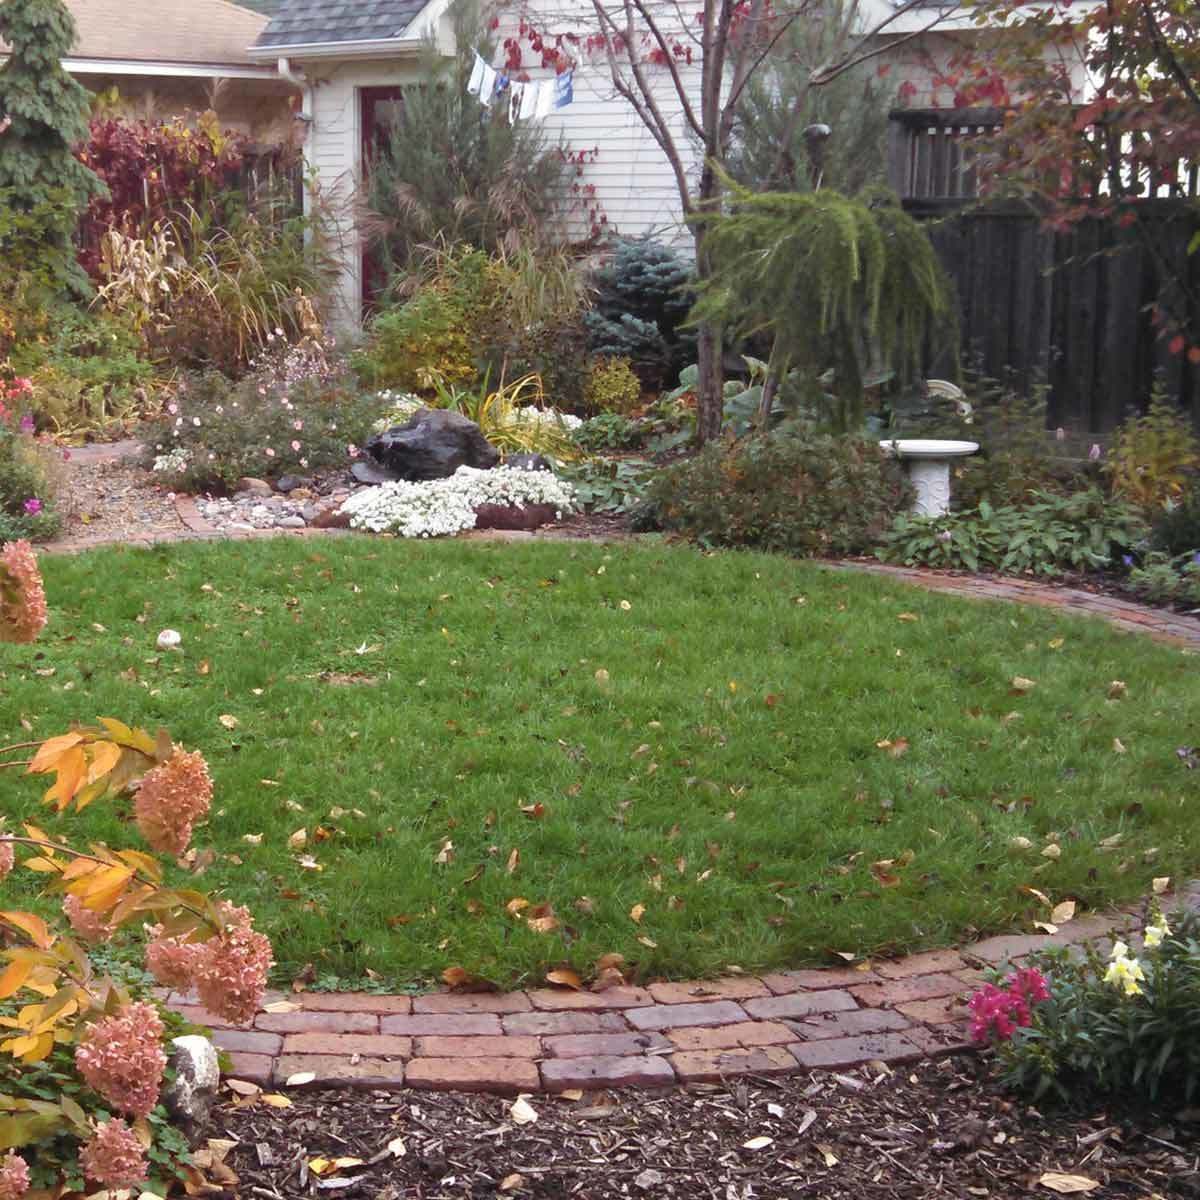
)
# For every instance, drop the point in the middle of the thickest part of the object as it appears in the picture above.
(660, 1035)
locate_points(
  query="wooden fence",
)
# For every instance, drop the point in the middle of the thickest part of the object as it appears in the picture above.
(1070, 308)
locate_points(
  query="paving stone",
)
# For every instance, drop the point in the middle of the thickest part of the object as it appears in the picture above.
(972, 977)
(317, 1022)
(849, 1024)
(200, 1016)
(505, 1075)
(253, 1068)
(478, 1047)
(784, 982)
(354, 1002)
(604, 1045)
(247, 1041)
(482, 1002)
(851, 1051)
(725, 1037)
(702, 1066)
(559, 1074)
(942, 1039)
(929, 963)
(934, 1012)
(443, 1025)
(904, 991)
(369, 1045)
(680, 1016)
(332, 1070)
(800, 1004)
(561, 999)
(547, 1024)
(711, 989)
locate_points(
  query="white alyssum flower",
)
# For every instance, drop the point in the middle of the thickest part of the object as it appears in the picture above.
(545, 416)
(174, 461)
(441, 507)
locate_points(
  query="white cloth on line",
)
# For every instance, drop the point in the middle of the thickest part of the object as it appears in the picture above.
(476, 80)
(545, 99)
(487, 85)
(529, 99)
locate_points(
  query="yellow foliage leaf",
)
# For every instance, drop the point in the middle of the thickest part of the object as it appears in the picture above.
(32, 926)
(105, 756)
(79, 868)
(144, 863)
(71, 765)
(35, 833)
(49, 752)
(13, 978)
(136, 739)
(103, 889)
(42, 866)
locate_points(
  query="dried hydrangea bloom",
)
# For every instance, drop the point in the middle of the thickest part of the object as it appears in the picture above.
(172, 798)
(122, 1058)
(6, 856)
(14, 1177)
(172, 961)
(113, 1156)
(232, 967)
(22, 597)
(89, 925)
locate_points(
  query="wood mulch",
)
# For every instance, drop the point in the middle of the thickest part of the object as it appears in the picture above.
(936, 1129)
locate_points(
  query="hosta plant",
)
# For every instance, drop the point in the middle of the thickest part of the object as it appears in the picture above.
(82, 1053)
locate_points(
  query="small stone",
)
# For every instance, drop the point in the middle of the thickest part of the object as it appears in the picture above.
(254, 487)
(372, 473)
(293, 522)
(190, 1098)
(169, 639)
(289, 483)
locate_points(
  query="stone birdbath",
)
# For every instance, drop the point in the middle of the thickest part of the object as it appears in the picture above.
(927, 461)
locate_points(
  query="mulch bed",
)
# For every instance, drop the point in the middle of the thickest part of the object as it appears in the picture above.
(934, 1129)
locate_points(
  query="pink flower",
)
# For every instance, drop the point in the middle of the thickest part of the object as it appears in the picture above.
(297, 425)
(33, 506)
(991, 1015)
(1095, 452)
(122, 1058)
(269, 452)
(232, 967)
(27, 424)
(90, 925)
(304, 462)
(295, 445)
(352, 450)
(172, 408)
(113, 1156)
(14, 1177)
(6, 857)
(173, 796)
(171, 960)
(22, 597)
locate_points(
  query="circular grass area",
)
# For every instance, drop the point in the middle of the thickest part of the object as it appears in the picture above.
(506, 757)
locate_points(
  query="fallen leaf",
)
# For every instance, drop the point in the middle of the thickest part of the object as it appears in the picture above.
(564, 977)
(521, 1111)
(300, 1078)
(275, 1100)
(515, 905)
(894, 748)
(1052, 851)
(637, 912)
(1021, 685)
(907, 616)
(281, 1006)
(648, 942)
(396, 1148)
(514, 861)
(585, 905)
(1056, 643)
(536, 811)
(1117, 689)
(758, 1143)
(298, 840)
(1060, 914)
(1161, 884)
(602, 677)
(571, 1094)
(825, 1150)
(457, 979)
(1068, 1184)
(230, 722)
(1045, 926)
(511, 1183)
(547, 924)
(1118, 746)
(1020, 843)
(242, 1087)
(445, 855)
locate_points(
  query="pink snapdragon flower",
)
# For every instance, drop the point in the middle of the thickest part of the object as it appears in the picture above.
(33, 506)
(997, 1013)
(122, 1058)
(113, 1156)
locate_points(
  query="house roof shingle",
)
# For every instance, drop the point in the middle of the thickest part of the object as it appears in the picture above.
(316, 22)
(201, 32)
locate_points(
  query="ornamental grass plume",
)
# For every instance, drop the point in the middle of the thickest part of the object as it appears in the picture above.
(113, 1156)
(22, 597)
(14, 1177)
(173, 796)
(121, 1057)
(231, 968)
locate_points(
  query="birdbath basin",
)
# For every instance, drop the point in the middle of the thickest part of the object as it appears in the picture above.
(927, 461)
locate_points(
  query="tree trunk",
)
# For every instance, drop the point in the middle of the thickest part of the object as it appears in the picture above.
(710, 350)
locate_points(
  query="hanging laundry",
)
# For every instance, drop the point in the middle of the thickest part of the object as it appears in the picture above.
(529, 101)
(564, 88)
(487, 86)
(476, 80)
(545, 99)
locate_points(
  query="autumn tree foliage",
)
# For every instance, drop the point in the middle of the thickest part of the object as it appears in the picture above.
(1101, 120)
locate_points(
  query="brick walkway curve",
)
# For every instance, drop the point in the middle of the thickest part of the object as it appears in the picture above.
(554, 1040)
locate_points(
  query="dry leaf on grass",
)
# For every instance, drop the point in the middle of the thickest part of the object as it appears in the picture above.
(1068, 1185)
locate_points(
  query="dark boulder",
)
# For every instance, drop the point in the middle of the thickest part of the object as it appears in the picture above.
(432, 445)
(369, 472)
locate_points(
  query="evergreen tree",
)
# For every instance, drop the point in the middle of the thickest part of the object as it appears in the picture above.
(48, 111)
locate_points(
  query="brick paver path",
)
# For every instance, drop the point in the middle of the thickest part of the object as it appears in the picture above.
(552, 1039)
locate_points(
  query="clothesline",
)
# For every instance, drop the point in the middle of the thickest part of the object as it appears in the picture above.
(526, 100)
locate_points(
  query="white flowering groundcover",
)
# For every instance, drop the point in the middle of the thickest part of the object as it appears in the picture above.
(447, 506)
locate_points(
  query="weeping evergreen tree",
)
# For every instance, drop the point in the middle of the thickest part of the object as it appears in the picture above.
(48, 111)
(454, 171)
(848, 285)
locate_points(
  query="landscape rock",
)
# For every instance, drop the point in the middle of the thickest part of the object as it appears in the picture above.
(370, 472)
(433, 444)
(503, 516)
(190, 1098)
(295, 521)
(289, 483)
(254, 487)
(331, 517)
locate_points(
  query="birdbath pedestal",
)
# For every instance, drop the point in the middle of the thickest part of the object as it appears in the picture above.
(927, 461)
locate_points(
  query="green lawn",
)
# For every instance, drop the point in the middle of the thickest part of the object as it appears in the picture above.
(602, 727)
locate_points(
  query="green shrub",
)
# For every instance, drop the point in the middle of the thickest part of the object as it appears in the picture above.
(1166, 579)
(1117, 1027)
(1176, 528)
(610, 486)
(612, 386)
(27, 486)
(1049, 535)
(608, 431)
(1153, 457)
(213, 432)
(804, 494)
